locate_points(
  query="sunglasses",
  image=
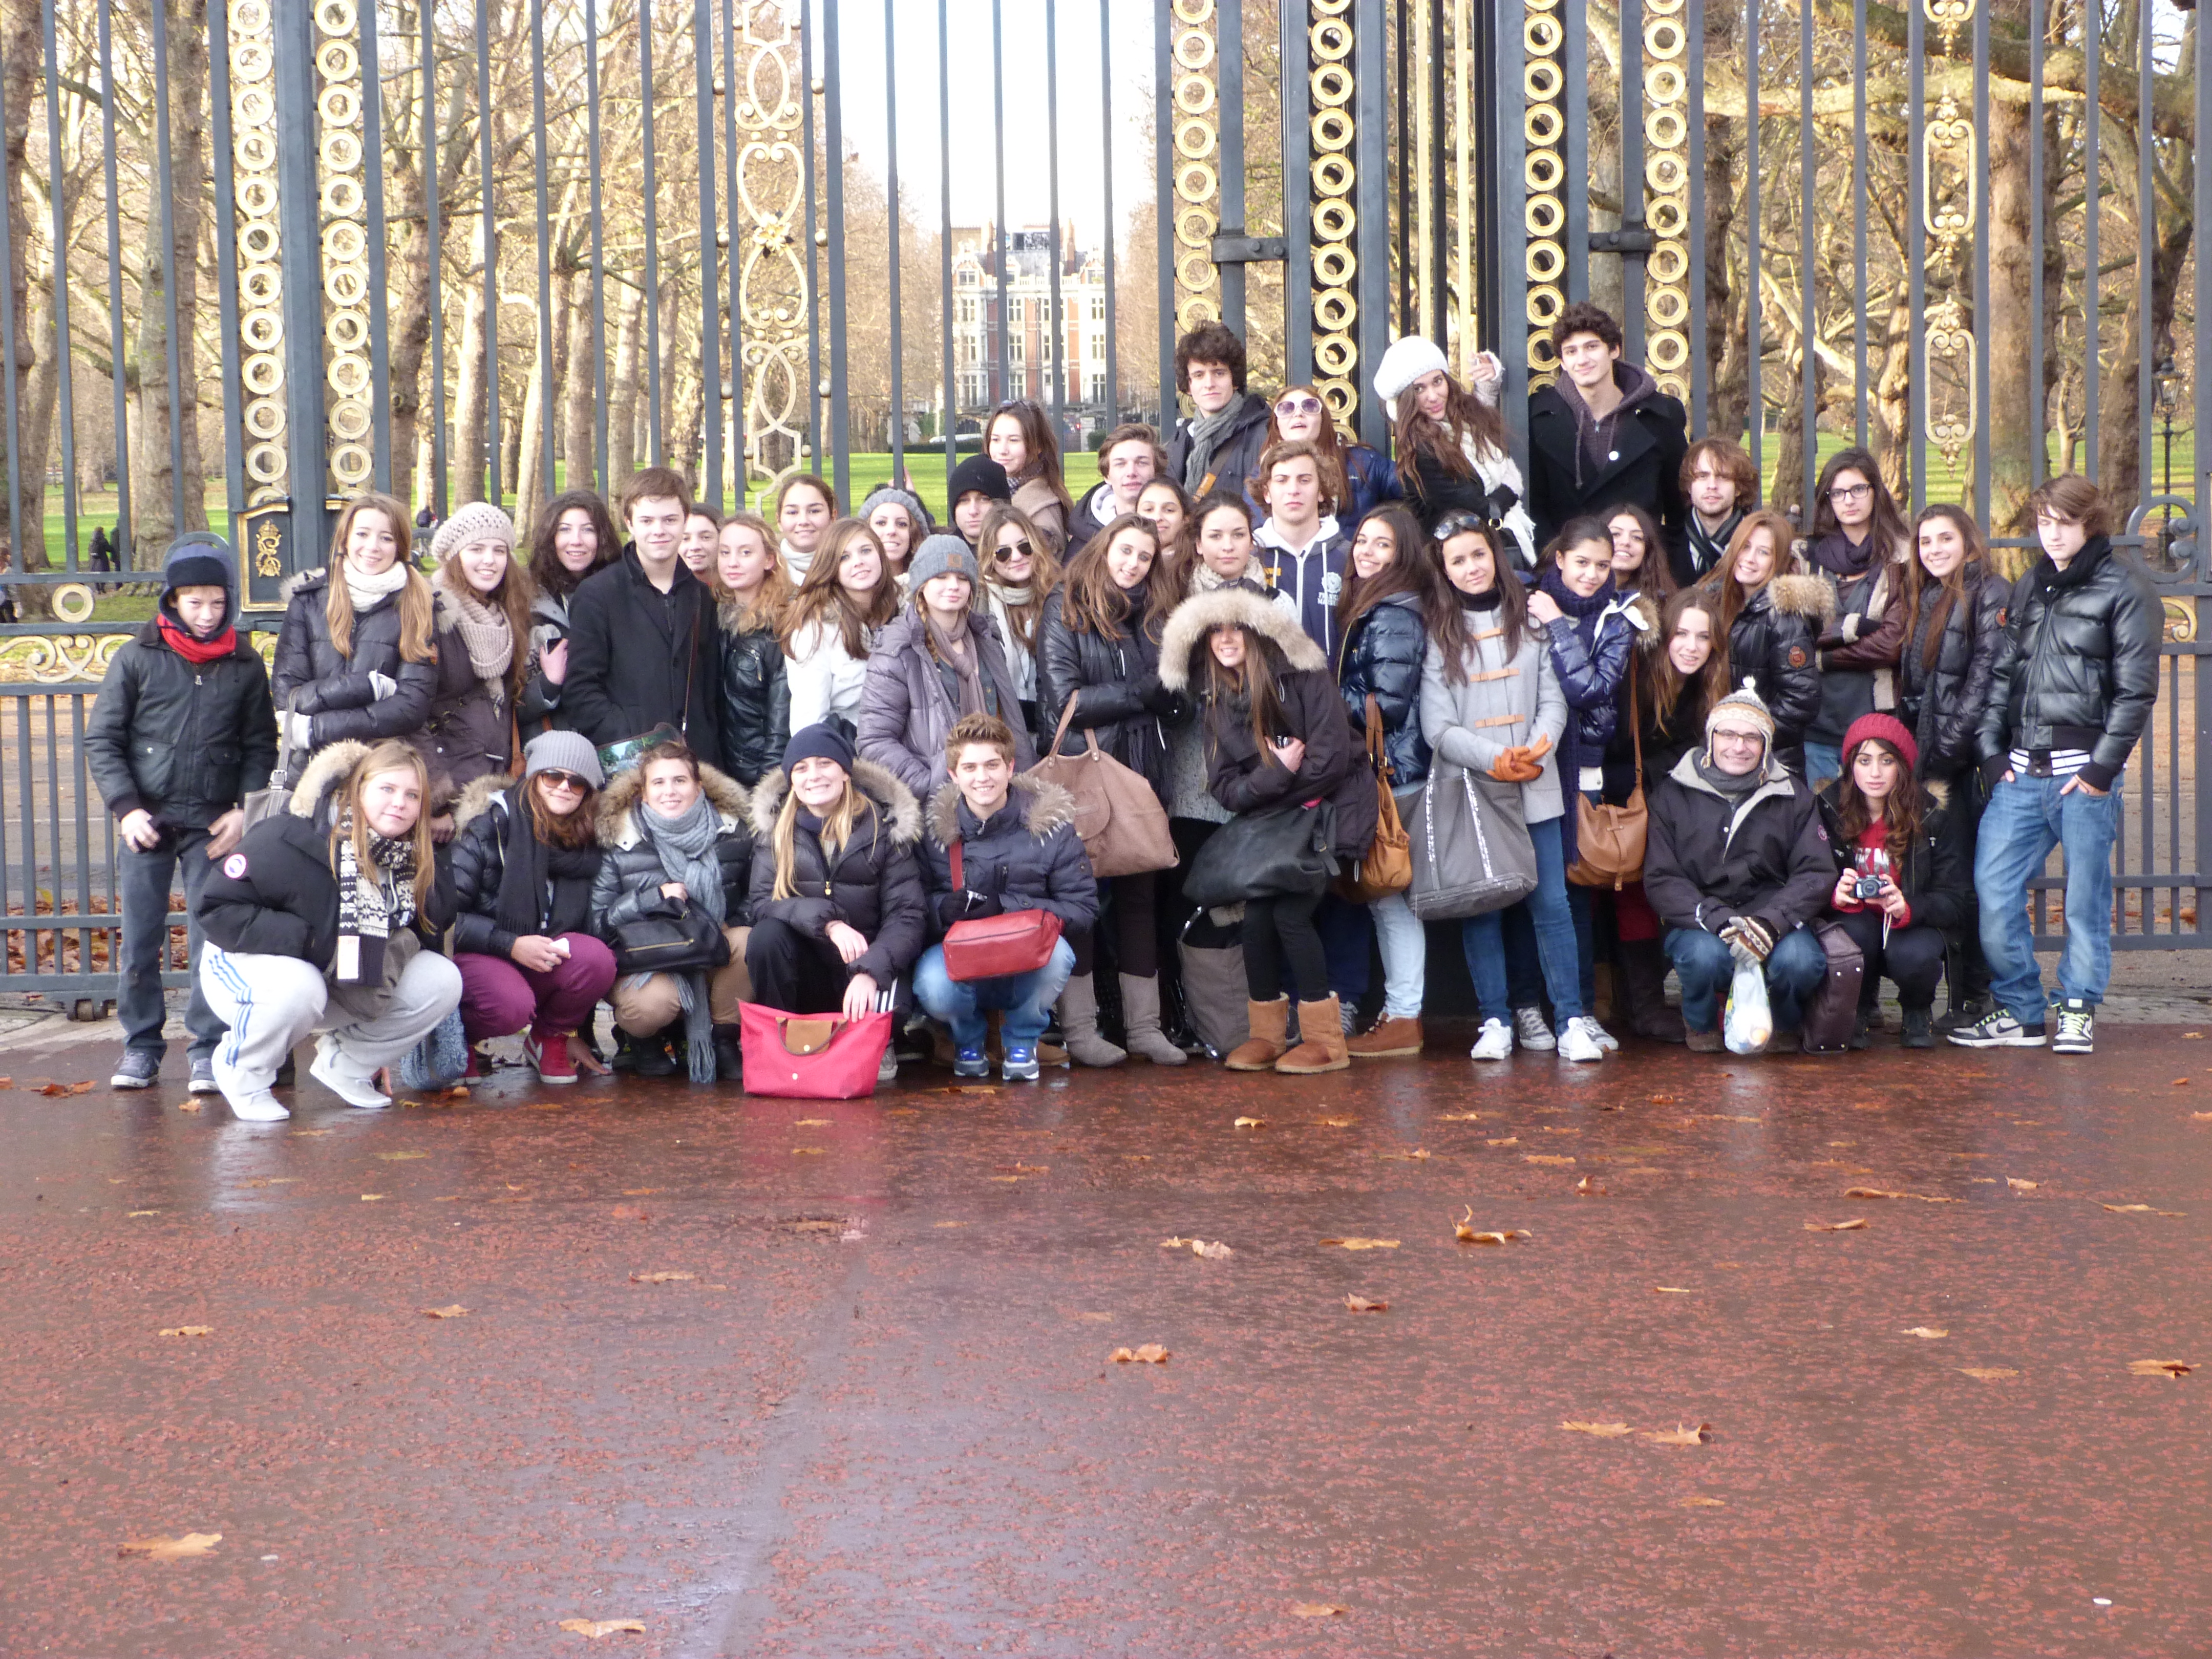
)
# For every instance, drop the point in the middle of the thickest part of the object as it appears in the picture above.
(1019, 550)
(1307, 405)
(563, 781)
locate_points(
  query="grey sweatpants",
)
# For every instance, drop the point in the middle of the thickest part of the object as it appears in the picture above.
(272, 1003)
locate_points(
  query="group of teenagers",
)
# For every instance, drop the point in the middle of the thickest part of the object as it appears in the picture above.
(822, 730)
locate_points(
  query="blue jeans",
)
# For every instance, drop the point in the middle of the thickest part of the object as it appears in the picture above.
(2024, 820)
(1483, 938)
(1025, 999)
(143, 880)
(1794, 968)
(1823, 762)
(1524, 967)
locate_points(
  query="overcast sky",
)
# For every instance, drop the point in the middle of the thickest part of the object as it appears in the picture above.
(914, 24)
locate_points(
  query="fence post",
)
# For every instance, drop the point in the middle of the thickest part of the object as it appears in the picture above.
(299, 238)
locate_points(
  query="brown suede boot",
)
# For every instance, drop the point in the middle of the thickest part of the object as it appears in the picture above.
(1388, 1038)
(1323, 1048)
(1270, 1023)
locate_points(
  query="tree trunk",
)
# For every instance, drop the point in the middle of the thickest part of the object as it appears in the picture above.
(1891, 411)
(465, 465)
(2119, 426)
(165, 502)
(25, 530)
(1786, 492)
(579, 446)
(621, 386)
(532, 477)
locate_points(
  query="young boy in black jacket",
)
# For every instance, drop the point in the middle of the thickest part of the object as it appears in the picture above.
(183, 730)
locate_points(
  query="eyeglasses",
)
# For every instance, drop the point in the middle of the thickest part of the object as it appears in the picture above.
(563, 781)
(1752, 738)
(1019, 550)
(1308, 406)
(1850, 492)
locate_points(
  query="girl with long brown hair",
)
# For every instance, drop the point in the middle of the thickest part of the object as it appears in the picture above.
(831, 624)
(356, 657)
(1019, 437)
(1954, 616)
(1861, 548)
(1770, 615)
(575, 537)
(1453, 451)
(1361, 478)
(483, 619)
(806, 511)
(751, 592)
(1020, 568)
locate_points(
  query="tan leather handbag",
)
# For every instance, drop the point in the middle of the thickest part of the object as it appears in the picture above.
(1387, 866)
(1610, 852)
(1123, 825)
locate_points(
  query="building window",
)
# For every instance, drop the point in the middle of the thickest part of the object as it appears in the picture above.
(1018, 349)
(1099, 348)
(1098, 388)
(1097, 307)
(1014, 309)
(968, 309)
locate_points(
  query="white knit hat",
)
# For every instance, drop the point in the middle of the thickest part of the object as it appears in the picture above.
(1408, 358)
(474, 522)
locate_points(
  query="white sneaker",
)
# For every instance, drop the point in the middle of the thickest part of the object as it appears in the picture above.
(1529, 1026)
(1578, 1040)
(259, 1106)
(1496, 1041)
(354, 1091)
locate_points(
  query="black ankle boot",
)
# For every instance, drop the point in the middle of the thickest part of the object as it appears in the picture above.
(729, 1055)
(649, 1055)
(1918, 1031)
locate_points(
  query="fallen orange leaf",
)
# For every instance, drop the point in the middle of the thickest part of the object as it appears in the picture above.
(189, 1330)
(595, 1628)
(1510, 1140)
(190, 1104)
(1544, 1157)
(809, 1123)
(1251, 1123)
(1361, 1305)
(806, 1152)
(1881, 1192)
(1316, 1609)
(1588, 1188)
(1414, 1157)
(1363, 1243)
(1199, 1247)
(452, 1310)
(1334, 1122)
(663, 1277)
(2200, 1117)
(1459, 1117)
(1679, 1435)
(1929, 1333)
(65, 1089)
(1700, 1503)
(1150, 1354)
(2173, 1368)
(1603, 1430)
(2020, 1186)
(1835, 1226)
(1986, 1373)
(1673, 1289)
(171, 1549)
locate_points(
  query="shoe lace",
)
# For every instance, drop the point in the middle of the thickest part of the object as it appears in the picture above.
(2074, 1022)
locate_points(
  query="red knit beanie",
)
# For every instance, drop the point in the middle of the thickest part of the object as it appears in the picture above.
(1891, 730)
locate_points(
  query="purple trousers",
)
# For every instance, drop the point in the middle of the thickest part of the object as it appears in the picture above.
(498, 996)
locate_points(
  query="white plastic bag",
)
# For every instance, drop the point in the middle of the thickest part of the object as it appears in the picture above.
(1749, 1021)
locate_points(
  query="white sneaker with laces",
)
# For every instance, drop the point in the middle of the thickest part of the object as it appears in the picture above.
(359, 1092)
(259, 1106)
(1578, 1040)
(1496, 1041)
(1599, 1034)
(1530, 1027)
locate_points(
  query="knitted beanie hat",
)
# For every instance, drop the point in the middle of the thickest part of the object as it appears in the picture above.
(940, 556)
(978, 474)
(818, 742)
(892, 496)
(1891, 730)
(563, 751)
(478, 521)
(1409, 359)
(1745, 701)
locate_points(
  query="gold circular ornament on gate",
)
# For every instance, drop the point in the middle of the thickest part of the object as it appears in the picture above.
(341, 151)
(339, 105)
(256, 197)
(1193, 94)
(1331, 8)
(1332, 85)
(1663, 83)
(1332, 130)
(1543, 80)
(1334, 309)
(350, 419)
(1547, 215)
(1193, 50)
(257, 107)
(345, 285)
(1666, 171)
(1334, 221)
(1667, 348)
(1194, 11)
(345, 241)
(1541, 34)
(1195, 141)
(1332, 175)
(1666, 306)
(249, 17)
(1195, 227)
(264, 417)
(257, 242)
(1668, 216)
(1546, 302)
(1332, 41)
(256, 151)
(265, 463)
(1669, 262)
(1194, 272)
(1666, 128)
(342, 196)
(1543, 170)
(251, 59)
(1547, 263)
(349, 376)
(1543, 126)
(1333, 265)
(347, 330)
(1663, 38)
(337, 60)
(337, 16)
(262, 330)
(264, 373)
(351, 464)
(1333, 354)
(73, 603)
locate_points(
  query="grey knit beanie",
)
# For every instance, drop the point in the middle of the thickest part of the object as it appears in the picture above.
(476, 521)
(562, 751)
(890, 496)
(940, 556)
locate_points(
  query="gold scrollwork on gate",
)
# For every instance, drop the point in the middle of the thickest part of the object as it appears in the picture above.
(1544, 124)
(768, 241)
(341, 156)
(260, 279)
(58, 658)
(1666, 197)
(1951, 208)
(1331, 127)
(1197, 136)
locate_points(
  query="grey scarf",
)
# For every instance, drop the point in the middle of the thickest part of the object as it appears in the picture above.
(686, 849)
(1205, 432)
(1732, 786)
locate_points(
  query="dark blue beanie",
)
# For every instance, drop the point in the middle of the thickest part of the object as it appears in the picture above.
(818, 742)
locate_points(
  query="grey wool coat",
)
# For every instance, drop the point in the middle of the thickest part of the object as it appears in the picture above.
(910, 700)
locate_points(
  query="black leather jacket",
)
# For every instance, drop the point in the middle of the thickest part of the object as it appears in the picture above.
(1773, 642)
(1942, 700)
(2077, 664)
(755, 700)
(1109, 676)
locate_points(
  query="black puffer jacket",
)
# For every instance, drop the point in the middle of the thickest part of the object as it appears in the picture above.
(313, 678)
(1708, 859)
(1942, 701)
(277, 894)
(185, 741)
(1238, 776)
(630, 877)
(1025, 856)
(876, 886)
(1772, 642)
(478, 857)
(1114, 680)
(756, 699)
(1380, 658)
(2077, 664)
(1938, 877)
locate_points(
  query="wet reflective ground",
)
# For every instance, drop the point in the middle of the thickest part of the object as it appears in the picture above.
(879, 1418)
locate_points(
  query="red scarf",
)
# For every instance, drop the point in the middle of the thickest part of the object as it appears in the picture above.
(190, 647)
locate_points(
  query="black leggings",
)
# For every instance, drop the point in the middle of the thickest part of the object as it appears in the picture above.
(1136, 928)
(1280, 931)
(1913, 958)
(794, 971)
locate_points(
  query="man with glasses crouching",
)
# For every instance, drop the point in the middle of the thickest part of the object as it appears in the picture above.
(1735, 861)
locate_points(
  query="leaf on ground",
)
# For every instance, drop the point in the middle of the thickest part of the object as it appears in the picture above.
(1334, 1122)
(1544, 1157)
(1557, 1129)
(2178, 1081)
(189, 1330)
(1929, 1333)
(1986, 1373)
(171, 1549)
(1883, 1192)
(951, 1223)
(1672, 1290)
(1150, 1354)
(1696, 1435)
(595, 1628)
(2141, 1209)
(1251, 1123)
(1199, 1247)
(661, 1278)
(304, 1134)
(1363, 1243)
(642, 1192)
(57, 1088)
(2185, 1036)
(190, 1104)
(1459, 1117)
(451, 1310)
(401, 1158)
(819, 1226)
(1603, 1430)
(807, 1152)
(1700, 1503)
(1852, 1226)
(2020, 1186)
(1508, 1141)
(1731, 1117)
(1005, 1178)
(970, 1089)
(1661, 1100)
(2200, 1117)
(1361, 1305)
(1418, 1155)
(2176, 1368)
(809, 1123)
(374, 1198)
(1317, 1609)
(129, 1214)
(1464, 1231)
(1588, 1188)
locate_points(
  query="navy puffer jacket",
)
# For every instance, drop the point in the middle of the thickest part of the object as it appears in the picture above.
(1380, 658)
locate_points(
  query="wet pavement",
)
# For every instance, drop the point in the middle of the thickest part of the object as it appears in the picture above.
(878, 1416)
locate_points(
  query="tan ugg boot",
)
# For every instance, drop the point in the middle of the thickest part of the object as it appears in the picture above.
(1270, 1023)
(1322, 1049)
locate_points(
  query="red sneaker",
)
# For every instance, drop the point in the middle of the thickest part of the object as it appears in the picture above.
(549, 1052)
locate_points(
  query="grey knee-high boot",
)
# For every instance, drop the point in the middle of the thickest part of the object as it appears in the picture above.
(1079, 1024)
(1141, 1016)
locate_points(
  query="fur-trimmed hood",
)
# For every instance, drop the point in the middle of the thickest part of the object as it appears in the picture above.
(1047, 807)
(615, 809)
(1809, 597)
(305, 581)
(476, 801)
(327, 771)
(901, 811)
(1198, 615)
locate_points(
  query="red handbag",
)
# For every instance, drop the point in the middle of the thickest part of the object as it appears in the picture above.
(992, 947)
(811, 1056)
